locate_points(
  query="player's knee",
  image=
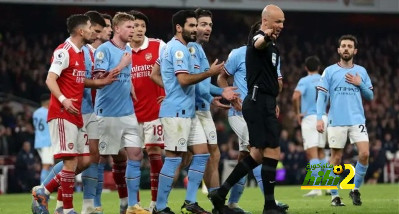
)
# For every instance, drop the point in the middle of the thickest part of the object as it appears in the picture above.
(364, 155)
(135, 153)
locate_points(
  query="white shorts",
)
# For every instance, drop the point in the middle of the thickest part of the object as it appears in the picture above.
(206, 120)
(91, 125)
(67, 139)
(118, 132)
(338, 135)
(46, 154)
(311, 137)
(182, 132)
(239, 126)
(152, 133)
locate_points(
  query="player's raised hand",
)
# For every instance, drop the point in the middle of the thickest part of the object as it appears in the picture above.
(353, 79)
(216, 102)
(68, 105)
(126, 59)
(320, 126)
(216, 68)
(229, 93)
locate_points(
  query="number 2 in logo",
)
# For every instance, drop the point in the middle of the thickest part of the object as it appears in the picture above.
(344, 183)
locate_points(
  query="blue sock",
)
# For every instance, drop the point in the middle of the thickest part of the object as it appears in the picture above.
(195, 175)
(360, 170)
(212, 188)
(54, 171)
(316, 170)
(90, 180)
(165, 180)
(323, 162)
(133, 174)
(100, 183)
(237, 190)
(43, 175)
(258, 176)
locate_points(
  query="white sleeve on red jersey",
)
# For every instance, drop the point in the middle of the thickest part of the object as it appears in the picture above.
(60, 61)
(161, 45)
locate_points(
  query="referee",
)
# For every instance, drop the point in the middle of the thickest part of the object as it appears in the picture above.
(260, 110)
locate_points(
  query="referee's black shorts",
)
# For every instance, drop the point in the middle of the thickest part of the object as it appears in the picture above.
(263, 126)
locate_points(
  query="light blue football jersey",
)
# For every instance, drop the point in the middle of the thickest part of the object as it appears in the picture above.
(42, 134)
(87, 104)
(179, 101)
(203, 97)
(235, 66)
(308, 88)
(346, 108)
(113, 100)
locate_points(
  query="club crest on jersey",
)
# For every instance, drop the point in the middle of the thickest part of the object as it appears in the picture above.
(100, 55)
(70, 146)
(192, 50)
(148, 56)
(179, 54)
(274, 58)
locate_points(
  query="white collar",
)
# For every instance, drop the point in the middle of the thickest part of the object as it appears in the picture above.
(143, 46)
(75, 48)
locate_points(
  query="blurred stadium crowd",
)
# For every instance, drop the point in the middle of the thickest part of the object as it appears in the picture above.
(26, 47)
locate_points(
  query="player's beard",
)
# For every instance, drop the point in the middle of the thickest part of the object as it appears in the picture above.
(188, 36)
(87, 41)
(347, 57)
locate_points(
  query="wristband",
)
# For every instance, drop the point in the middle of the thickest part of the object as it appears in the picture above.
(61, 98)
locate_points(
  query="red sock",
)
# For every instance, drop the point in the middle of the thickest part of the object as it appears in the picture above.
(67, 184)
(118, 172)
(59, 194)
(54, 183)
(155, 168)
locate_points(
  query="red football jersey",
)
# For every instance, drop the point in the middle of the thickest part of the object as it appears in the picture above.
(147, 92)
(69, 64)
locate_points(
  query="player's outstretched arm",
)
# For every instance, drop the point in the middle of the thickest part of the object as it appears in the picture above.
(52, 84)
(100, 83)
(222, 80)
(186, 79)
(156, 75)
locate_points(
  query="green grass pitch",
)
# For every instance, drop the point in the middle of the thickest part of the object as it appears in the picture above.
(376, 199)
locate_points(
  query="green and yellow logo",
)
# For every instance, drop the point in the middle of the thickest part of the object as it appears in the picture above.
(326, 180)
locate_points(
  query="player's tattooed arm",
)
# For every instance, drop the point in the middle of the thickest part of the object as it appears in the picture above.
(156, 75)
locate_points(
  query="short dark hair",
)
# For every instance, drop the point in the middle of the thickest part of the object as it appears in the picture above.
(44, 97)
(95, 18)
(74, 20)
(106, 16)
(139, 15)
(202, 13)
(181, 17)
(254, 28)
(312, 63)
(348, 37)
